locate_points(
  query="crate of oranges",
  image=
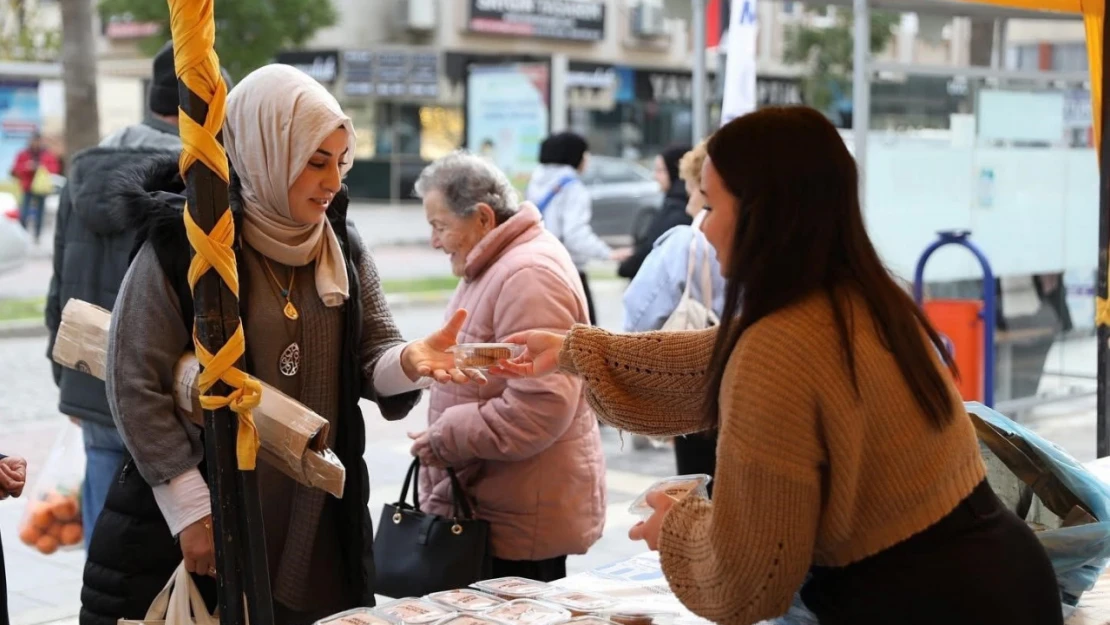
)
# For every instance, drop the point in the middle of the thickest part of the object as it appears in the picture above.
(52, 519)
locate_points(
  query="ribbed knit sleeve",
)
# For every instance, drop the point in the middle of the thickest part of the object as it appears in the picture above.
(651, 383)
(739, 559)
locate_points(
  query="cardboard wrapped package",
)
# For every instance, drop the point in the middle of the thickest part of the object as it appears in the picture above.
(294, 439)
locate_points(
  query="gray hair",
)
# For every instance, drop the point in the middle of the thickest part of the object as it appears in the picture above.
(466, 180)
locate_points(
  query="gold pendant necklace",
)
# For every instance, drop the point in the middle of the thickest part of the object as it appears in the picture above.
(289, 363)
(290, 310)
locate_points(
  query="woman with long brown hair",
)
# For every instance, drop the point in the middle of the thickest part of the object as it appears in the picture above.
(847, 465)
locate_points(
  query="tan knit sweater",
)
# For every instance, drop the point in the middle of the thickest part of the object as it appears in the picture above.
(807, 471)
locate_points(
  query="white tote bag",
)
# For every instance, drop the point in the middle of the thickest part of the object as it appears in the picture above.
(179, 603)
(690, 314)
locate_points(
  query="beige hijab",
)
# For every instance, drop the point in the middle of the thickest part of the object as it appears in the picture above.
(277, 117)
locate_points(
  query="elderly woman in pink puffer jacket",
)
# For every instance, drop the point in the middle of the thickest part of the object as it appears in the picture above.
(527, 452)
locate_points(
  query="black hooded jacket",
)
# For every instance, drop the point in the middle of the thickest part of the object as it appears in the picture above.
(671, 214)
(92, 248)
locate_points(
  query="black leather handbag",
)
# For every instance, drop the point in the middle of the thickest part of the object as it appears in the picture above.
(416, 553)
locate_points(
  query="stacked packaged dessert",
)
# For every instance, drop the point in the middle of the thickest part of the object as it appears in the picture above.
(357, 616)
(466, 600)
(413, 611)
(510, 588)
(528, 612)
(577, 602)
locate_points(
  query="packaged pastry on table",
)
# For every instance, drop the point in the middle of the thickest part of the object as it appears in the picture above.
(677, 488)
(528, 612)
(578, 602)
(357, 616)
(413, 611)
(468, 619)
(590, 620)
(639, 617)
(513, 587)
(466, 600)
(482, 356)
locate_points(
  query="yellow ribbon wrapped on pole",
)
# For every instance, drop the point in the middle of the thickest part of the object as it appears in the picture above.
(196, 63)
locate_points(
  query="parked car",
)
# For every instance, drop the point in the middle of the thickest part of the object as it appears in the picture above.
(625, 197)
(15, 243)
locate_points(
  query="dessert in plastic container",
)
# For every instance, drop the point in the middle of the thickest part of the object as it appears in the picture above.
(677, 488)
(590, 620)
(578, 602)
(468, 619)
(466, 600)
(482, 356)
(528, 612)
(413, 611)
(640, 617)
(357, 616)
(513, 587)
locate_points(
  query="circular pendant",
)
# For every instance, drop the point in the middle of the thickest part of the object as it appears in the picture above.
(291, 311)
(290, 362)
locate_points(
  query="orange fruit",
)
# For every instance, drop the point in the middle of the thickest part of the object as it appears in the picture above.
(29, 534)
(41, 516)
(47, 545)
(64, 509)
(71, 534)
(55, 531)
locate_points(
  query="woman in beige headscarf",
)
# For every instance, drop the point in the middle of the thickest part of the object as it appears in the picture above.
(317, 328)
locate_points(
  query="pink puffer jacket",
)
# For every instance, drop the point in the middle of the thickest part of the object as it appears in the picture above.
(527, 452)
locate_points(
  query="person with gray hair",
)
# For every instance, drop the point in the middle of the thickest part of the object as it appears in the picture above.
(527, 452)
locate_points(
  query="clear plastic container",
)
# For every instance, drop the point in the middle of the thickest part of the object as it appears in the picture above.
(640, 617)
(677, 488)
(528, 612)
(513, 587)
(468, 619)
(578, 602)
(466, 600)
(482, 356)
(358, 616)
(590, 620)
(413, 611)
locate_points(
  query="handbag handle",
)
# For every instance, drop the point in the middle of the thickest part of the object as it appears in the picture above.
(458, 495)
(414, 470)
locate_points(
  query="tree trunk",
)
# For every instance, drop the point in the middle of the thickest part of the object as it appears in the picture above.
(79, 76)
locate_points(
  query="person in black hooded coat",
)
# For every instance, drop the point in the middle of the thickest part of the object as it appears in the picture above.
(671, 214)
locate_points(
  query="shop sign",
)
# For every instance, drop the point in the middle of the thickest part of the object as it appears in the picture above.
(323, 65)
(396, 74)
(575, 20)
(676, 87)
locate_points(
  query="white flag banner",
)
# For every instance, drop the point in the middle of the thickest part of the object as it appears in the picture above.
(740, 92)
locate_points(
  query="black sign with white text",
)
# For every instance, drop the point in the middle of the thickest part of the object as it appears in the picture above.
(576, 20)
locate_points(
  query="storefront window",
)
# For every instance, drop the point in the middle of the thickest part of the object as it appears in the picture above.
(441, 131)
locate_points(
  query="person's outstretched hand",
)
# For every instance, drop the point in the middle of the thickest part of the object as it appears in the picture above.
(540, 357)
(429, 358)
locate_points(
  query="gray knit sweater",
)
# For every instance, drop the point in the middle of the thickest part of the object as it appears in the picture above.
(145, 343)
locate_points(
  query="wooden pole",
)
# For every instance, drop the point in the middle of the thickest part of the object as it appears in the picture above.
(242, 570)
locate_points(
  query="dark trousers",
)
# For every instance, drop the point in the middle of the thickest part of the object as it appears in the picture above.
(539, 570)
(31, 210)
(696, 453)
(589, 298)
(980, 565)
